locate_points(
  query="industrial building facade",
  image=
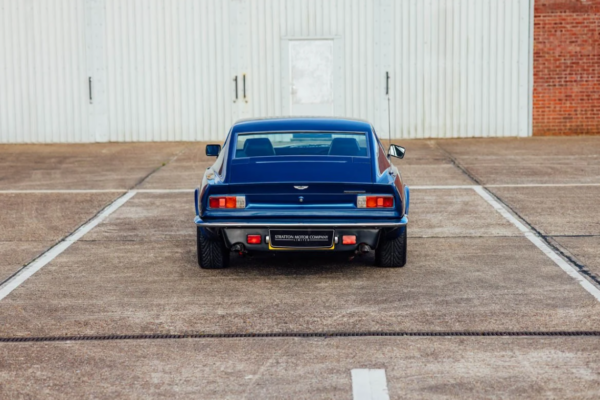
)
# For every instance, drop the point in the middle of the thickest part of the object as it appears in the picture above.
(168, 70)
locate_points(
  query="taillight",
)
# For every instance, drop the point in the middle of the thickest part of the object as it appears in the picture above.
(374, 202)
(349, 239)
(253, 239)
(227, 202)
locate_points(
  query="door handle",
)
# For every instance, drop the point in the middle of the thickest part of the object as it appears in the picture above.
(236, 88)
(387, 83)
(244, 86)
(90, 88)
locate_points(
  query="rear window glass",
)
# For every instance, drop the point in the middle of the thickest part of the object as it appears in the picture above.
(301, 144)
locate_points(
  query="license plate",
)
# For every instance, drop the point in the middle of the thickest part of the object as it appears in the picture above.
(301, 239)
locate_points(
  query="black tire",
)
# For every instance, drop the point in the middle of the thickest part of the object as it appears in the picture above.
(391, 253)
(212, 253)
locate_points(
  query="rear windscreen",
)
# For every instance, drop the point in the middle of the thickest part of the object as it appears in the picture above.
(301, 144)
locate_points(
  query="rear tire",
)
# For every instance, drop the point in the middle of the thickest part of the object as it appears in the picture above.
(391, 253)
(212, 253)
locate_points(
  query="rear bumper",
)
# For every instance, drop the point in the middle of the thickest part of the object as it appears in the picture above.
(369, 224)
(235, 236)
(366, 232)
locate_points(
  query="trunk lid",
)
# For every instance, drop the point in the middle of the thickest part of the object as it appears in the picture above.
(296, 196)
(298, 187)
(301, 170)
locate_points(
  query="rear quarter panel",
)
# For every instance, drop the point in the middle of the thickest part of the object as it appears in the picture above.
(387, 173)
(214, 175)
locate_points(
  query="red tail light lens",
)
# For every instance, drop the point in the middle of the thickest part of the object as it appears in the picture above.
(349, 239)
(230, 202)
(227, 202)
(253, 239)
(371, 202)
(375, 202)
(386, 202)
(216, 202)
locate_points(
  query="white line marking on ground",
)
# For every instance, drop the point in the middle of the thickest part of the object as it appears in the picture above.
(526, 185)
(424, 187)
(540, 244)
(165, 190)
(20, 277)
(63, 191)
(95, 191)
(369, 384)
(500, 208)
(442, 187)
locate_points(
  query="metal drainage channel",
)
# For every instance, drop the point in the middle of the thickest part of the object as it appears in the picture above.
(294, 335)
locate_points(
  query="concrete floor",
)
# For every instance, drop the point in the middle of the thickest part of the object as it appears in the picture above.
(469, 269)
(291, 368)
(32, 222)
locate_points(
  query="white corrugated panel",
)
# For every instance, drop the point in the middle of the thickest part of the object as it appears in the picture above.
(43, 78)
(165, 69)
(168, 69)
(461, 68)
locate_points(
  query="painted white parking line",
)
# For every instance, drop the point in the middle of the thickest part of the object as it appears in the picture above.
(527, 185)
(27, 271)
(165, 190)
(516, 185)
(95, 191)
(63, 191)
(500, 208)
(540, 244)
(442, 187)
(418, 187)
(369, 384)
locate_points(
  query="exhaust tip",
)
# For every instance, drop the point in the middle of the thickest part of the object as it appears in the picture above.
(364, 248)
(239, 248)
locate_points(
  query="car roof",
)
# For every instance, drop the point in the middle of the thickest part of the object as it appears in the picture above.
(290, 124)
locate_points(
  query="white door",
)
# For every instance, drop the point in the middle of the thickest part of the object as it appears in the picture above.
(311, 73)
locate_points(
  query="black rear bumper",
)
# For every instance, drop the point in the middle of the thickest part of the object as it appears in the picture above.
(235, 236)
(366, 231)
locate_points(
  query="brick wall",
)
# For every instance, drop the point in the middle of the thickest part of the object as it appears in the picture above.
(566, 67)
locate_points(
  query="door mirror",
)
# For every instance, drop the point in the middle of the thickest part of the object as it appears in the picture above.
(213, 150)
(396, 151)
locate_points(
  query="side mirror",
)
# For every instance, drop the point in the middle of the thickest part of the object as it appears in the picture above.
(213, 150)
(396, 151)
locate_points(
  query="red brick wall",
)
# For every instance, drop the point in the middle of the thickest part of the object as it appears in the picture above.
(566, 67)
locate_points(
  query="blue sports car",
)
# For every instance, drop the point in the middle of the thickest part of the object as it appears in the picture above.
(302, 184)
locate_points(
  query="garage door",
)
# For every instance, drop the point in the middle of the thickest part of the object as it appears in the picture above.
(157, 70)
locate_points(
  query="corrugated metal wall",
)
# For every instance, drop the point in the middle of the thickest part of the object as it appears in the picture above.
(461, 68)
(169, 74)
(43, 78)
(164, 69)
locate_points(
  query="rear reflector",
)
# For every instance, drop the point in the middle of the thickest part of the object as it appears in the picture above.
(349, 239)
(227, 202)
(374, 202)
(253, 239)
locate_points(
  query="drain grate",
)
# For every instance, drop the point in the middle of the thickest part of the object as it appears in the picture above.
(293, 335)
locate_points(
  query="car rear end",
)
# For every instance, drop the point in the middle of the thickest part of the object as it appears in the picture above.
(302, 202)
(342, 215)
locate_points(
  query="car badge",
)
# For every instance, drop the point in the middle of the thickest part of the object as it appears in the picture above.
(300, 187)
